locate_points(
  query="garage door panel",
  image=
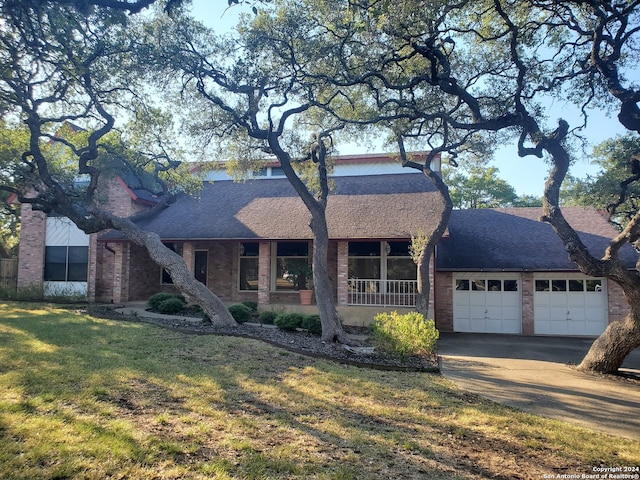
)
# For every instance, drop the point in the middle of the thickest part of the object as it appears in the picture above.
(477, 299)
(493, 325)
(593, 328)
(512, 326)
(575, 299)
(496, 309)
(580, 309)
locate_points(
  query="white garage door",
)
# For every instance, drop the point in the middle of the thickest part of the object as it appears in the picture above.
(569, 305)
(487, 303)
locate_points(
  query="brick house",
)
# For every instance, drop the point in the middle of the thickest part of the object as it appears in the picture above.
(243, 240)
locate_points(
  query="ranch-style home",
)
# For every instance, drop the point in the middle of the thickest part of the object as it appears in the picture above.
(495, 270)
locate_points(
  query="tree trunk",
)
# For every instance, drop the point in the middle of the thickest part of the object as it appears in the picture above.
(424, 283)
(332, 330)
(173, 263)
(609, 350)
(620, 338)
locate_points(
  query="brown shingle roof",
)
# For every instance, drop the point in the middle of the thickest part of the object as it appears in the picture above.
(514, 239)
(374, 206)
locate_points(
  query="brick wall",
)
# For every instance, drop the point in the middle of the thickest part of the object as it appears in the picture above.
(31, 248)
(264, 274)
(443, 298)
(527, 290)
(343, 272)
(618, 306)
(105, 259)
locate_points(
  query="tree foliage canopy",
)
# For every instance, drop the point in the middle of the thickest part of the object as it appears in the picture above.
(614, 188)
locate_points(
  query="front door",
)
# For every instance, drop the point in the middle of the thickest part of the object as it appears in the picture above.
(202, 260)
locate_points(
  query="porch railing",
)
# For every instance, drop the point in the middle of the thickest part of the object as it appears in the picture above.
(386, 293)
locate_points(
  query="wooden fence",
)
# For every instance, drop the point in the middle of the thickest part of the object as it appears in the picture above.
(8, 273)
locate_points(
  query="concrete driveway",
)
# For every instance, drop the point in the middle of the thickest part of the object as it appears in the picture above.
(534, 374)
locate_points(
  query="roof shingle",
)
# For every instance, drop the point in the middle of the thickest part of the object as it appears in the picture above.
(366, 207)
(513, 239)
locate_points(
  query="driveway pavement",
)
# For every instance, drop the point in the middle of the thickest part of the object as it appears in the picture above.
(534, 374)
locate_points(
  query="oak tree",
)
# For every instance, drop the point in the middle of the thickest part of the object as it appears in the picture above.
(72, 66)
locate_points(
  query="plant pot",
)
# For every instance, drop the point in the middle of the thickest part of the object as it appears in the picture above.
(305, 297)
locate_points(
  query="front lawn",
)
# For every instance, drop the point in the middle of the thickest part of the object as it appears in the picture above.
(82, 397)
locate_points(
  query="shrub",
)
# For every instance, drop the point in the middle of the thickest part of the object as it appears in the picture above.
(171, 305)
(312, 324)
(155, 300)
(288, 321)
(405, 335)
(240, 312)
(268, 316)
(253, 306)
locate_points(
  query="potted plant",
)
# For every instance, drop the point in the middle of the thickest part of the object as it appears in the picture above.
(301, 274)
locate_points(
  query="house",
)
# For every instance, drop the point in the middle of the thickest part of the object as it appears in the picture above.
(495, 271)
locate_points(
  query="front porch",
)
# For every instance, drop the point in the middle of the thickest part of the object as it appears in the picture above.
(260, 271)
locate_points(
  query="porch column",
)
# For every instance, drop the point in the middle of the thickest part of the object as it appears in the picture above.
(92, 267)
(264, 274)
(527, 304)
(121, 272)
(432, 291)
(343, 273)
(31, 247)
(188, 255)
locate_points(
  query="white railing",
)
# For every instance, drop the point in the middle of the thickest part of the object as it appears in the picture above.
(386, 293)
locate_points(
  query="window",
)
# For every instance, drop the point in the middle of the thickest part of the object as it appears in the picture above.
(400, 265)
(510, 285)
(594, 285)
(66, 264)
(576, 286)
(292, 271)
(166, 278)
(570, 285)
(248, 278)
(478, 285)
(489, 285)
(364, 260)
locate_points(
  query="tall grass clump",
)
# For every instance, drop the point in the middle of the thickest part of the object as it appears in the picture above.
(404, 334)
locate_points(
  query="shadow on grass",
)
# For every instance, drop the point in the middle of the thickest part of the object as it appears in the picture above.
(97, 398)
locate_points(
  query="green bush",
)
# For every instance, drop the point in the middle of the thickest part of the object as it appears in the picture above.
(268, 317)
(406, 335)
(252, 305)
(155, 300)
(288, 321)
(312, 324)
(240, 312)
(171, 305)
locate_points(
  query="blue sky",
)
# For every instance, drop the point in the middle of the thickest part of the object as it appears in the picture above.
(527, 175)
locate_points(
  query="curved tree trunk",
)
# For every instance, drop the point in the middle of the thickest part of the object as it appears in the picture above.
(173, 263)
(332, 330)
(609, 350)
(426, 250)
(424, 283)
(620, 338)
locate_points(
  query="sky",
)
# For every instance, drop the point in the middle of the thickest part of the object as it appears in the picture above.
(527, 175)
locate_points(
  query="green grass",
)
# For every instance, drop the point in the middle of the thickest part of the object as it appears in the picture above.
(87, 398)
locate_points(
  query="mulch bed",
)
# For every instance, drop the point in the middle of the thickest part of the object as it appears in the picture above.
(300, 342)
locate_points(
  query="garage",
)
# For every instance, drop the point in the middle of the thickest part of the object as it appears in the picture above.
(487, 303)
(569, 304)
